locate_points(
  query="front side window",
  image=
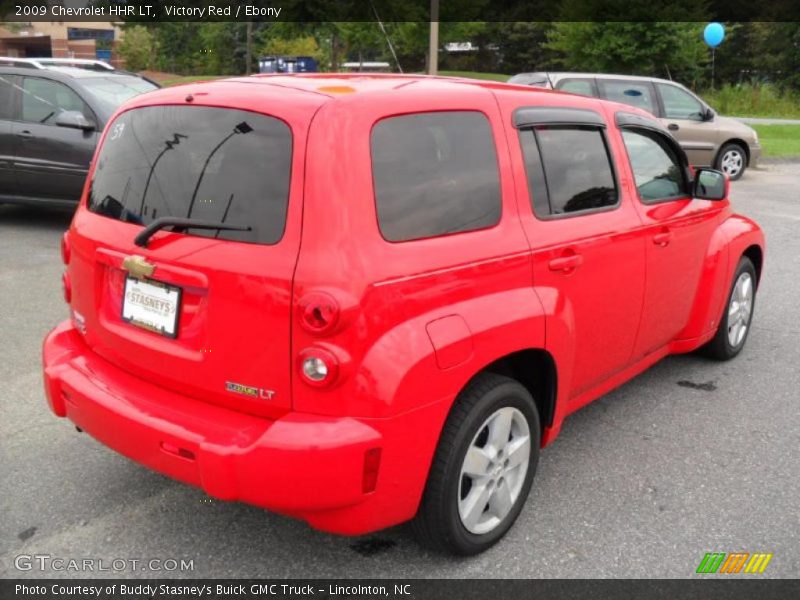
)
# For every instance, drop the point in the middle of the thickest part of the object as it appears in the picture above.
(634, 93)
(210, 164)
(43, 100)
(680, 104)
(569, 169)
(435, 174)
(656, 168)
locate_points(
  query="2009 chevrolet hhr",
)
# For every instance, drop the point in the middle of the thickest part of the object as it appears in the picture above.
(371, 299)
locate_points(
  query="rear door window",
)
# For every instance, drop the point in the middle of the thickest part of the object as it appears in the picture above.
(211, 164)
(435, 174)
(569, 169)
(635, 93)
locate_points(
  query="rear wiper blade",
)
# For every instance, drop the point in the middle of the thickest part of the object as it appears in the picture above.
(179, 224)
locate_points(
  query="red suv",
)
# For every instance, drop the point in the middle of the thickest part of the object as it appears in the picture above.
(361, 300)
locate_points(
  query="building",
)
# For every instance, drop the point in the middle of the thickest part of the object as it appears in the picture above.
(60, 39)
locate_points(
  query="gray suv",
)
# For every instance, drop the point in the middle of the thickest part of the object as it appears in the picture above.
(708, 139)
(50, 121)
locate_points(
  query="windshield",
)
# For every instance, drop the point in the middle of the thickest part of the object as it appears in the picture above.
(117, 89)
(208, 164)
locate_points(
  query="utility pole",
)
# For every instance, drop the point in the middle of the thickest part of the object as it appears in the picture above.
(433, 43)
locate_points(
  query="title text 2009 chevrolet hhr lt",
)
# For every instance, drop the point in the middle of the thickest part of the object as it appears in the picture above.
(366, 300)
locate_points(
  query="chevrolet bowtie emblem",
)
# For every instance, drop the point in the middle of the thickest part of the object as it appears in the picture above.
(138, 266)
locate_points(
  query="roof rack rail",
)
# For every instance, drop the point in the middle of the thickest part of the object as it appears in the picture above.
(11, 61)
(81, 63)
(44, 63)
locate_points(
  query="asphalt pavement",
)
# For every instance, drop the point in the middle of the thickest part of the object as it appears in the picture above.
(691, 457)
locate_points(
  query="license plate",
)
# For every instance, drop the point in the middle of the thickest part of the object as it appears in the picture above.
(152, 305)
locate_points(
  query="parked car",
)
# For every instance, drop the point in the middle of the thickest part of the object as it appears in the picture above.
(708, 138)
(361, 300)
(51, 118)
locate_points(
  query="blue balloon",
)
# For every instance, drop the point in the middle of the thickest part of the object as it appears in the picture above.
(714, 34)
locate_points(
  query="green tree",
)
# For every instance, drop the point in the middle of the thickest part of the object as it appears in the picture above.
(299, 46)
(664, 49)
(138, 47)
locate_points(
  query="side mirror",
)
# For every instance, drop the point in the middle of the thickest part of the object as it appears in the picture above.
(710, 184)
(708, 114)
(74, 119)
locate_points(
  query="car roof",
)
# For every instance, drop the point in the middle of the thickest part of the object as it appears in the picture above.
(557, 75)
(350, 85)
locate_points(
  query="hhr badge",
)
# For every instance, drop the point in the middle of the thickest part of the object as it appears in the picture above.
(246, 390)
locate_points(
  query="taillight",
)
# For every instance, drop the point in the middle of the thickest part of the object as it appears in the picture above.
(65, 248)
(318, 367)
(67, 286)
(319, 312)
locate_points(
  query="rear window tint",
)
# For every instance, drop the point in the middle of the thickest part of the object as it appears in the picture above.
(569, 169)
(210, 164)
(435, 174)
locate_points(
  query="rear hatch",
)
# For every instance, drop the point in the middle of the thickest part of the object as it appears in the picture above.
(204, 312)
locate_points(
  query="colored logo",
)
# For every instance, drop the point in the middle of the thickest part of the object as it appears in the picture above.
(735, 562)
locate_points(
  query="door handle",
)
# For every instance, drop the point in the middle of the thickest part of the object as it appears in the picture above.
(673, 127)
(566, 263)
(662, 239)
(24, 134)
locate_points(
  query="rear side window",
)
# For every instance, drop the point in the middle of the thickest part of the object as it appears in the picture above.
(211, 164)
(435, 174)
(569, 169)
(656, 168)
(634, 93)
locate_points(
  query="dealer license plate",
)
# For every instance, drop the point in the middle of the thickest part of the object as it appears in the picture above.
(152, 305)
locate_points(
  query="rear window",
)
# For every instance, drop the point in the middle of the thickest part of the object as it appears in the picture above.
(211, 164)
(435, 174)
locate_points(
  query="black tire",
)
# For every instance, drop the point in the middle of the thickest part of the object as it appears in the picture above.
(732, 149)
(438, 524)
(720, 346)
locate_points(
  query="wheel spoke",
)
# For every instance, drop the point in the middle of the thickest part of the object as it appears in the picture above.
(518, 451)
(474, 504)
(733, 310)
(476, 463)
(500, 428)
(500, 502)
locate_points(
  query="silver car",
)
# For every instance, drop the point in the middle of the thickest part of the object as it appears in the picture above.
(708, 138)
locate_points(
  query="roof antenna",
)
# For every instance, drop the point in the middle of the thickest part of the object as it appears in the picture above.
(386, 35)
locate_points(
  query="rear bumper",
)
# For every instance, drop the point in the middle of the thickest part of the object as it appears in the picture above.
(304, 465)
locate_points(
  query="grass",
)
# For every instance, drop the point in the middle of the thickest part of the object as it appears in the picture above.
(475, 75)
(779, 140)
(191, 78)
(754, 101)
